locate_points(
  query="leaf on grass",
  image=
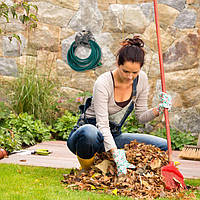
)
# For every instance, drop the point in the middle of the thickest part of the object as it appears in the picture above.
(115, 191)
(103, 166)
(37, 180)
(93, 187)
(72, 185)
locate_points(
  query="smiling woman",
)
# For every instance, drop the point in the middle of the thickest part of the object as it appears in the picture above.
(116, 93)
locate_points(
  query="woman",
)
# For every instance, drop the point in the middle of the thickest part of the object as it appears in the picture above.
(115, 94)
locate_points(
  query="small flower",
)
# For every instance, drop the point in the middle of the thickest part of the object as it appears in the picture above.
(79, 99)
(60, 100)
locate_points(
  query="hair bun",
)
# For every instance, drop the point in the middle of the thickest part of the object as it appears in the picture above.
(134, 41)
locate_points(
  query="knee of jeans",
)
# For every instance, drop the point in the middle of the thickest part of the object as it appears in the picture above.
(164, 146)
(89, 133)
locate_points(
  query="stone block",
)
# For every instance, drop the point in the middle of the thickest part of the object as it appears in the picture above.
(125, 18)
(53, 14)
(183, 53)
(12, 47)
(178, 4)
(186, 19)
(46, 63)
(45, 37)
(69, 4)
(182, 80)
(8, 67)
(167, 15)
(26, 61)
(150, 38)
(88, 17)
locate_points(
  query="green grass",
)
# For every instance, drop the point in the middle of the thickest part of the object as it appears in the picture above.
(39, 183)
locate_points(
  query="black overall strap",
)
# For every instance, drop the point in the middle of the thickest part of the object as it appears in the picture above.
(131, 106)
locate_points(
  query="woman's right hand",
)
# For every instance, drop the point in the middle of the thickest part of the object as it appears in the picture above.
(121, 162)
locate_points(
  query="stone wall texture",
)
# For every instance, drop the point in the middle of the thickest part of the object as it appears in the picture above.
(111, 21)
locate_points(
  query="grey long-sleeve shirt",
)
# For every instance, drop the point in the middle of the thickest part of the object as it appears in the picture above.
(103, 105)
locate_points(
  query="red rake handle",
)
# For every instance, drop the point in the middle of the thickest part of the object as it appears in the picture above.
(163, 80)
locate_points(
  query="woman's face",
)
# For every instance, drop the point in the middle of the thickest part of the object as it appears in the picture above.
(129, 70)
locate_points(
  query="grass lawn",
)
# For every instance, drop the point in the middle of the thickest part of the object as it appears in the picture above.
(39, 183)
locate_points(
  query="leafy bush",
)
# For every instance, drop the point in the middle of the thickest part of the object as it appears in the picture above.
(64, 125)
(178, 138)
(22, 130)
(131, 125)
(8, 141)
(4, 112)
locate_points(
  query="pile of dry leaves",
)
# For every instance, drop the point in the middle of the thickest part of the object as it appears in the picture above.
(143, 182)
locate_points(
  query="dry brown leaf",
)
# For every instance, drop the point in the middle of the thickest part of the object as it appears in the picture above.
(156, 163)
(103, 166)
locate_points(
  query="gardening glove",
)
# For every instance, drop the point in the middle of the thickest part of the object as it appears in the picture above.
(121, 162)
(165, 102)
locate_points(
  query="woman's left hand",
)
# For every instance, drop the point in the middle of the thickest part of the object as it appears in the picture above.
(165, 102)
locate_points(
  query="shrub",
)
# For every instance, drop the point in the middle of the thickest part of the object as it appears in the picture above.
(178, 138)
(22, 130)
(4, 112)
(131, 125)
(8, 141)
(64, 125)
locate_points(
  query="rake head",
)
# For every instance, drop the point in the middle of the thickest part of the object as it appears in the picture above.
(173, 179)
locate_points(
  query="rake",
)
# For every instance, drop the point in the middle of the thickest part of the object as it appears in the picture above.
(172, 178)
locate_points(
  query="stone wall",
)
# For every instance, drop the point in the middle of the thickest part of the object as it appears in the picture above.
(111, 21)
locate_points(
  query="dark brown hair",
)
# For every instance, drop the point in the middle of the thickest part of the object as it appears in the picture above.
(131, 50)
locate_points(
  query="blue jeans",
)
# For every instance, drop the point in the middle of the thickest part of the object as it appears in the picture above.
(87, 140)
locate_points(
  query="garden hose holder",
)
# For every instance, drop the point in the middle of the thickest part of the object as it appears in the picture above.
(85, 39)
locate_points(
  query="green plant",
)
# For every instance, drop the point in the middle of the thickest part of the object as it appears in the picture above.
(8, 141)
(178, 138)
(35, 94)
(4, 111)
(22, 130)
(131, 125)
(25, 12)
(64, 125)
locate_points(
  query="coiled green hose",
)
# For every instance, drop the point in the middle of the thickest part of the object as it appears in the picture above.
(91, 62)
